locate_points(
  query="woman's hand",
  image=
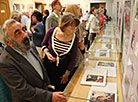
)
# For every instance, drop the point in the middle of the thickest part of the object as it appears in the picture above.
(32, 29)
(64, 78)
(50, 57)
(84, 34)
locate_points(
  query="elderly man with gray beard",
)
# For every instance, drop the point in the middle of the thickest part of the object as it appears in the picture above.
(22, 69)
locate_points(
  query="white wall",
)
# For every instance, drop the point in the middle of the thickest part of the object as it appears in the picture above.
(26, 2)
(108, 5)
(84, 4)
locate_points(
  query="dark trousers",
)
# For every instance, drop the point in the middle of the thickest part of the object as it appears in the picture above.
(55, 73)
(86, 38)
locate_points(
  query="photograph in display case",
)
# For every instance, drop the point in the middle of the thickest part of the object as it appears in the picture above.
(108, 32)
(103, 94)
(102, 53)
(106, 64)
(108, 35)
(109, 66)
(108, 46)
(99, 96)
(93, 76)
(105, 40)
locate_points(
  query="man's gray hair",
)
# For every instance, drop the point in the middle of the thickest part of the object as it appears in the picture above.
(3, 32)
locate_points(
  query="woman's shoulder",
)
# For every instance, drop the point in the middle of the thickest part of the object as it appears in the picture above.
(51, 29)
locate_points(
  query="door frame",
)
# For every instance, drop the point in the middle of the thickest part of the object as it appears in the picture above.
(6, 2)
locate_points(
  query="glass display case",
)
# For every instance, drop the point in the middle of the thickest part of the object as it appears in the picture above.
(107, 53)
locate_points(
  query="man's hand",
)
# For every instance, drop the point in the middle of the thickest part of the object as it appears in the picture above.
(58, 97)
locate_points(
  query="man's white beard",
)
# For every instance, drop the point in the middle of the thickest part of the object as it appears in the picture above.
(22, 48)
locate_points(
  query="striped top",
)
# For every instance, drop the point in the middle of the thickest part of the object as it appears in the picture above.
(61, 47)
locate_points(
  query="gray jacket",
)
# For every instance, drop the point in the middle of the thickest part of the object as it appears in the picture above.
(51, 21)
(23, 80)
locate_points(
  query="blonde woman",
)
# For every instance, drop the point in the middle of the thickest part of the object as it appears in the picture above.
(16, 15)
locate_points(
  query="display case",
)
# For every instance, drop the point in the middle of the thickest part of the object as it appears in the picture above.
(75, 92)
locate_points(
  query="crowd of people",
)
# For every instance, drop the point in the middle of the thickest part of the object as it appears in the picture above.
(41, 52)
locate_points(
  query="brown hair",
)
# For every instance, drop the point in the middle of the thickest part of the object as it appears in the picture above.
(68, 19)
(54, 3)
(73, 9)
(92, 9)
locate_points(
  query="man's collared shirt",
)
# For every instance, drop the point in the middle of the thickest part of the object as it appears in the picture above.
(32, 60)
(58, 17)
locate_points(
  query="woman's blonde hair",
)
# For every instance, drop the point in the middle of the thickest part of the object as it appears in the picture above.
(73, 9)
(16, 15)
(67, 20)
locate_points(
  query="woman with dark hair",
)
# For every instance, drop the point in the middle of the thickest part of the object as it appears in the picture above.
(45, 15)
(60, 47)
(38, 30)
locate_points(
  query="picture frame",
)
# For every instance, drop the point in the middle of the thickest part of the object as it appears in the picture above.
(93, 76)
(110, 66)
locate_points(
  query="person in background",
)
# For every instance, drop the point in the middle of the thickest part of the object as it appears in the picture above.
(45, 15)
(28, 26)
(16, 15)
(92, 26)
(22, 69)
(102, 20)
(101, 17)
(26, 21)
(75, 9)
(63, 10)
(38, 31)
(105, 13)
(60, 46)
(54, 18)
(5, 92)
(24, 18)
(97, 15)
(85, 19)
(32, 22)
